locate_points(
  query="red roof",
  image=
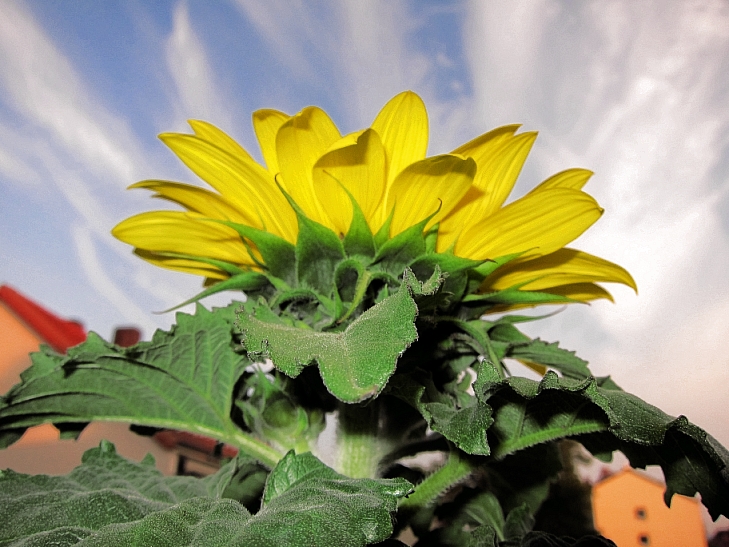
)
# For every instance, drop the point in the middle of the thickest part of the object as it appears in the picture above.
(58, 333)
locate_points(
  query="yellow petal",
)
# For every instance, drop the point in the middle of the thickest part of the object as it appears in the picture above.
(356, 162)
(266, 124)
(300, 142)
(208, 132)
(536, 225)
(183, 233)
(423, 186)
(562, 267)
(182, 265)
(246, 185)
(402, 125)
(196, 199)
(583, 292)
(500, 156)
(570, 178)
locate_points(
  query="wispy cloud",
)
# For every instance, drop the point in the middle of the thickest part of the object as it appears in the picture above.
(104, 284)
(359, 52)
(638, 94)
(41, 84)
(196, 93)
(68, 155)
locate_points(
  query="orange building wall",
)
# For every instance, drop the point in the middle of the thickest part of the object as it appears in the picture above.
(16, 341)
(40, 450)
(628, 508)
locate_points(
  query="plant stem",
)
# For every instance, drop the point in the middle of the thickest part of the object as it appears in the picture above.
(264, 453)
(358, 451)
(455, 469)
(359, 292)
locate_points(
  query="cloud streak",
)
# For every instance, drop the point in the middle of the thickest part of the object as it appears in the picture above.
(197, 95)
(637, 93)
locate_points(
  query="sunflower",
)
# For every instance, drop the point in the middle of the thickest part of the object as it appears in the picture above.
(384, 172)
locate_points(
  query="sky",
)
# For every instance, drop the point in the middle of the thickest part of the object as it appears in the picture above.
(637, 92)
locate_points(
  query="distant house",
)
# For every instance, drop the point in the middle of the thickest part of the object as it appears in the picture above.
(24, 326)
(628, 508)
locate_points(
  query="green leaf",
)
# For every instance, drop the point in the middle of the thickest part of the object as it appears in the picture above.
(108, 501)
(104, 490)
(183, 379)
(356, 363)
(497, 340)
(318, 250)
(551, 355)
(527, 412)
(465, 426)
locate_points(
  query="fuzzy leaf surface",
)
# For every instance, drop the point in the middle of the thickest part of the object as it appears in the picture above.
(527, 412)
(182, 379)
(356, 363)
(108, 501)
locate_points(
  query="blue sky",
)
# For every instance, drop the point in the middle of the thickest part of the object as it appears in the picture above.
(636, 91)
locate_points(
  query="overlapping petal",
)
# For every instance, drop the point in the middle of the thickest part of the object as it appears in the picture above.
(384, 169)
(300, 142)
(244, 183)
(266, 124)
(430, 186)
(195, 199)
(499, 156)
(562, 267)
(535, 225)
(184, 234)
(355, 163)
(403, 128)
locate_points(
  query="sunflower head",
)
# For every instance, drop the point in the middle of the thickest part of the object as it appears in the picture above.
(327, 225)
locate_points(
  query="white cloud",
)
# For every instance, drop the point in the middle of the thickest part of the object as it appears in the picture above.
(42, 85)
(356, 49)
(104, 284)
(637, 93)
(196, 92)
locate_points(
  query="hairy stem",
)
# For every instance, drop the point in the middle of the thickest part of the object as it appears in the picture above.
(358, 451)
(456, 468)
(359, 292)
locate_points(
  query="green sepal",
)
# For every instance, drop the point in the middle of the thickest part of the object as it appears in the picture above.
(501, 339)
(513, 296)
(551, 355)
(431, 238)
(491, 265)
(244, 281)
(318, 250)
(455, 271)
(383, 234)
(298, 295)
(359, 240)
(277, 253)
(395, 254)
(354, 364)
